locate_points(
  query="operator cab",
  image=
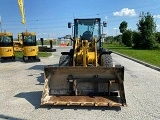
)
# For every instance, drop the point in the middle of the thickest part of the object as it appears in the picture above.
(6, 41)
(29, 40)
(87, 29)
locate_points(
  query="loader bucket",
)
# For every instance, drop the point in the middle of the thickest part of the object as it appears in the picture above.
(84, 86)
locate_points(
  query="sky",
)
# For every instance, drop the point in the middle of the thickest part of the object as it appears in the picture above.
(49, 18)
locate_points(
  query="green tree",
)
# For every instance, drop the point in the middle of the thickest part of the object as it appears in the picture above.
(158, 36)
(127, 38)
(109, 39)
(147, 28)
(136, 39)
(118, 39)
(123, 27)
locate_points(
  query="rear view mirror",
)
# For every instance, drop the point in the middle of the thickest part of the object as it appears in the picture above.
(69, 25)
(104, 24)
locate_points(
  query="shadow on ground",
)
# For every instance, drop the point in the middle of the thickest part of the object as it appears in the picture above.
(11, 60)
(37, 67)
(40, 67)
(40, 79)
(19, 59)
(32, 97)
(7, 117)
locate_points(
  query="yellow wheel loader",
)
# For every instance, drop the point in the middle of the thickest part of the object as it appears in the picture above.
(6, 47)
(30, 48)
(86, 75)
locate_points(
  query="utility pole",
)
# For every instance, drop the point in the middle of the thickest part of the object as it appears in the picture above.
(37, 29)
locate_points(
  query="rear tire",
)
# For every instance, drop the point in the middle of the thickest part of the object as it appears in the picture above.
(65, 60)
(106, 60)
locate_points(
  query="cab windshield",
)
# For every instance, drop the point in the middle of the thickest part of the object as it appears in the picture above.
(29, 40)
(87, 29)
(6, 41)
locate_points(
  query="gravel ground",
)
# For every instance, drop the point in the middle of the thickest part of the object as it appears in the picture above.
(21, 86)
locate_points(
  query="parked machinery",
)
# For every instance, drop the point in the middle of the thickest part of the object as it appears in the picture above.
(30, 48)
(45, 48)
(6, 47)
(86, 75)
(18, 44)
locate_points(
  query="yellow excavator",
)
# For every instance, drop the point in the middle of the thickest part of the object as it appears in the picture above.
(86, 75)
(18, 44)
(6, 47)
(30, 48)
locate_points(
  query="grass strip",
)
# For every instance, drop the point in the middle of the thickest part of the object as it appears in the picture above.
(149, 56)
(40, 54)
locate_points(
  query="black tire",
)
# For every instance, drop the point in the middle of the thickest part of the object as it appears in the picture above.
(14, 59)
(25, 58)
(71, 51)
(64, 60)
(106, 60)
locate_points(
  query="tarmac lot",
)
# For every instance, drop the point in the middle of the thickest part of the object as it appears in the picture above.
(21, 86)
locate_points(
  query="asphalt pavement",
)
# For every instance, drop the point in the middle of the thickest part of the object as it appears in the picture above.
(21, 86)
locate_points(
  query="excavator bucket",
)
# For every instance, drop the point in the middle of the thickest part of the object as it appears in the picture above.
(83, 86)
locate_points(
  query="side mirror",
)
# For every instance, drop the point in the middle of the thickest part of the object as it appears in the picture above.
(68, 37)
(103, 35)
(104, 24)
(69, 24)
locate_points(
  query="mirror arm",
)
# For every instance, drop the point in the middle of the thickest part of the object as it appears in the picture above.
(99, 39)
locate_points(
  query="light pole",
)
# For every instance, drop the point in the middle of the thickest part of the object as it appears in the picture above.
(37, 29)
(1, 23)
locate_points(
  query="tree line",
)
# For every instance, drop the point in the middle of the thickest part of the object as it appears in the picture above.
(145, 37)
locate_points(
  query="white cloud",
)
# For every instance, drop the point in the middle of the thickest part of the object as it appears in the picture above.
(125, 12)
(156, 16)
(106, 17)
(158, 26)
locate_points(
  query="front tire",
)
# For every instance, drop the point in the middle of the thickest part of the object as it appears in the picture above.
(106, 60)
(65, 60)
